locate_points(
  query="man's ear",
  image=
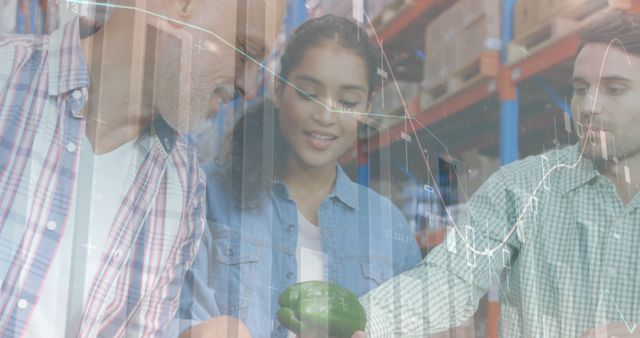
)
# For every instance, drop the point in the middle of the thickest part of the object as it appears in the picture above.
(180, 9)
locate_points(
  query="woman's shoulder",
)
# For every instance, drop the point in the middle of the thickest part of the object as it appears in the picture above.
(365, 197)
(374, 201)
(386, 226)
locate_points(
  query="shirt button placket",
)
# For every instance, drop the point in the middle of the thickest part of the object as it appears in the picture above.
(22, 304)
(51, 225)
(70, 147)
(77, 94)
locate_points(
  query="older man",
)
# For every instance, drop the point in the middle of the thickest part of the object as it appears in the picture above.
(101, 202)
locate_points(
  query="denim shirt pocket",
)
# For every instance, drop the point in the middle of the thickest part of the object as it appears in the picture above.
(236, 250)
(234, 271)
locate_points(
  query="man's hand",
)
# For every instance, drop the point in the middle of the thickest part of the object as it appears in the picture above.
(218, 327)
(617, 330)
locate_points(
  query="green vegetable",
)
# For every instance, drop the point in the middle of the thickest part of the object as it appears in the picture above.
(320, 307)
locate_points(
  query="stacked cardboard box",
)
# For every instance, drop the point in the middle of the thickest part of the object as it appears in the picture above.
(373, 8)
(530, 15)
(459, 36)
(525, 17)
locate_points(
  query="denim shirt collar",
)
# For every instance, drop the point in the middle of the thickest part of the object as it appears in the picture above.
(345, 190)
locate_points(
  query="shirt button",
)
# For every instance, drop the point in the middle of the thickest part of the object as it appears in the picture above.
(229, 252)
(290, 275)
(616, 235)
(118, 253)
(51, 225)
(77, 94)
(70, 147)
(22, 304)
(291, 228)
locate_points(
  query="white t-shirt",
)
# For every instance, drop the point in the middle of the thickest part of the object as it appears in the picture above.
(102, 182)
(309, 255)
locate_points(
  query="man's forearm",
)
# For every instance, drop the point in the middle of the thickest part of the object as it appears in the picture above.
(418, 303)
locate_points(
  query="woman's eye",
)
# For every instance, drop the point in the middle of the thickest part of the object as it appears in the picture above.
(305, 95)
(348, 104)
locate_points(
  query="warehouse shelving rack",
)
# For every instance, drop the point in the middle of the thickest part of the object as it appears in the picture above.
(504, 86)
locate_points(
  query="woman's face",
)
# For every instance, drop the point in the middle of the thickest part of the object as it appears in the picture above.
(327, 82)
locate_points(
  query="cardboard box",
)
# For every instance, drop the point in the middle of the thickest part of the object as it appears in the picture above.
(525, 17)
(439, 63)
(459, 36)
(480, 32)
(533, 14)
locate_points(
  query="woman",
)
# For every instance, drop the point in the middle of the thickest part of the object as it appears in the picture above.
(282, 210)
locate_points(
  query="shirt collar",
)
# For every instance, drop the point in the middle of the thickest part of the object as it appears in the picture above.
(66, 64)
(583, 172)
(345, 189)
(165, 134)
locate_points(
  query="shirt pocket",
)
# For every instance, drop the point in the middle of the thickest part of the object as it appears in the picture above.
(236, 250)
(234, 271)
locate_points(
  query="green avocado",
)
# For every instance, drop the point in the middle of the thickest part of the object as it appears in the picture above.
(319, 307)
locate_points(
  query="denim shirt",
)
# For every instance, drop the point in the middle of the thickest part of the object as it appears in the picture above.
(246, 259)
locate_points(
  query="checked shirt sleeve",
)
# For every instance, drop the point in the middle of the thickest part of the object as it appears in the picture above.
(444, 290)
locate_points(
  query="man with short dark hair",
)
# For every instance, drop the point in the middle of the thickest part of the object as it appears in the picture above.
(560, 231)
(101, 200)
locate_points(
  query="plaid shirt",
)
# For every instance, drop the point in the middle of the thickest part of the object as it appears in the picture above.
(570, 265)
(155, 232)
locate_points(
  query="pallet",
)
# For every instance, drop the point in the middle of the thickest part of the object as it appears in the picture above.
(548, 31)
(485, 66)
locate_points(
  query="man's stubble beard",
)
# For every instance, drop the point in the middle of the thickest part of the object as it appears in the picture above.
(169, 92)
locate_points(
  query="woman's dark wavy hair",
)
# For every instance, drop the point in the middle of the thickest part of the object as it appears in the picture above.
(256, 151)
